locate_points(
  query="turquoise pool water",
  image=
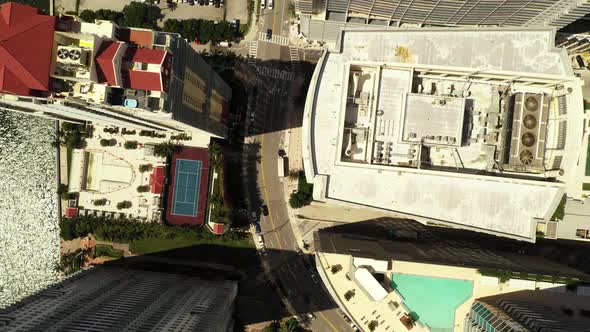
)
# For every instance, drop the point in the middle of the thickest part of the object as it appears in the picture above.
(433, 300)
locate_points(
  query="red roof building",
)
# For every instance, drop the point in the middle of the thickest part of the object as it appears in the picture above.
(148, 80)
(26, 41)
(106, 63)
(71, 212)
(157, 180)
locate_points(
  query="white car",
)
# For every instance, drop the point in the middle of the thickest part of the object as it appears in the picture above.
(262, 4)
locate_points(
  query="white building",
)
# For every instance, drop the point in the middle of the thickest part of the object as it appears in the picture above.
(474, 128)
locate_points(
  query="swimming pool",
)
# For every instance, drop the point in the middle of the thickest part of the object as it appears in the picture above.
(433, 300)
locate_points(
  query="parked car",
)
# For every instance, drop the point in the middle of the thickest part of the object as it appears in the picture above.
(257, 228)
(262, 4)
(264, 210)
(309, 316)
(221, 3)
(268, 34)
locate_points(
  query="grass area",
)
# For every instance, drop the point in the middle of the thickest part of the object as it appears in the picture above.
(217, 249)
(41, 4)
(108, 251)
(585, 186)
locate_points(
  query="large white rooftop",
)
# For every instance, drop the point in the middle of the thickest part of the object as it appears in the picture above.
(348, 124)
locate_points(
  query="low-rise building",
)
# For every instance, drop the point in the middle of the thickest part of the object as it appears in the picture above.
(485, 136)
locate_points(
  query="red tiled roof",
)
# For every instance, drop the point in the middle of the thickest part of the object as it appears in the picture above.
(71, 212)
(26, 41)
(218, 229)
(137, 37)
(105, 66)
(145, 55)
(157, 180)
(142, 80)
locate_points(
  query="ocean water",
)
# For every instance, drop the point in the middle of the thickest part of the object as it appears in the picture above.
(29, 230)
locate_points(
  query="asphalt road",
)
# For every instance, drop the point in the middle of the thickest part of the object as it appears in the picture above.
(290, 270)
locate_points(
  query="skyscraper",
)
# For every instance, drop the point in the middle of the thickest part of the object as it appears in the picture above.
(70, 70)
(109, 298)
(323, 19)
(529, 311)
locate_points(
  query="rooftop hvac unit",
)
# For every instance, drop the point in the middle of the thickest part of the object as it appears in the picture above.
(71, 55)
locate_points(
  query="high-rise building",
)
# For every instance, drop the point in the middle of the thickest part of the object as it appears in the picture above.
(66, 69)
(475, 128)
(397, 275)
(529, 310)
(109, 298)
(323, 19)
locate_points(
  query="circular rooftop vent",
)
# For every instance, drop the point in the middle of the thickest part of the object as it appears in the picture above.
(63, 54)
(75, 54)
(528, 139)
(526, 157)
(530, 121)
(531, 104)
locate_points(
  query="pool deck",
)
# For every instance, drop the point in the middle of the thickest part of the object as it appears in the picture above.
(363, 309)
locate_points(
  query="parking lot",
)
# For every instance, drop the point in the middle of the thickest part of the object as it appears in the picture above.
(231, 9)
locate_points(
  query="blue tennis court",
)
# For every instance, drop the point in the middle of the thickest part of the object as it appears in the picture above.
(186, 187)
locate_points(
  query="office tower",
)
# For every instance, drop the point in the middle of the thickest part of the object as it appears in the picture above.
(66, 69)
(109, 298)
(323, 19)
(529, 310)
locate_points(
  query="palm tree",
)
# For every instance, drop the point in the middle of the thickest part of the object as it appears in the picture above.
(172, 5)
(293, 174)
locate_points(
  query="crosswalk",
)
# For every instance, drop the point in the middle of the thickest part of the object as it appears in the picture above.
(295, 62)
(275, 73)
(275, 39)
(252, 52)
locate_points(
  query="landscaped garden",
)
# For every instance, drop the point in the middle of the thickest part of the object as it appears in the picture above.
(144, 238)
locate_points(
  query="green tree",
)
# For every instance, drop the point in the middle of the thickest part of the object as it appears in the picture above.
(66, 229)
(143, 189)
(273, 327)
(145, 168)
(349, 295)
(165, 149)
(336, 268)
(293, 174)
(62, 191)
(124, 205)
(141, 15)
(300, 199)
(130, 145)
(88, 15)
(373, 325)
(290, 325)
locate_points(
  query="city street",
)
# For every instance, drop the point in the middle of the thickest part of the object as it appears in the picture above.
(276, 110)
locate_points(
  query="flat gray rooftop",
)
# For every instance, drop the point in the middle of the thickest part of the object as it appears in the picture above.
(494, 204)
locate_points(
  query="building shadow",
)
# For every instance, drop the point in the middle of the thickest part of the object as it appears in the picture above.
(261, 297)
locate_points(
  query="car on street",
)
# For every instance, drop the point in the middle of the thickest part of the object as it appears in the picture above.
(261, 240)
(262, 4)
(264, 210)
(254, 217)
(268, 34)
(257, 228)
(310, 316)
